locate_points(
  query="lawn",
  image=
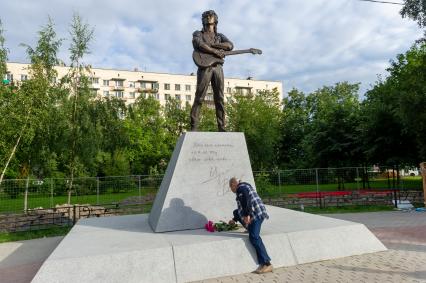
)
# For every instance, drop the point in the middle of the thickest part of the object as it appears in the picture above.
(273, 190)
(29, 235)
(8, 205)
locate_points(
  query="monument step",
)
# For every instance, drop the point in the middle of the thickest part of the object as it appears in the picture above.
(125, 249)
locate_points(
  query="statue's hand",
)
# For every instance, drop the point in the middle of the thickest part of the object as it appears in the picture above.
(219, 53)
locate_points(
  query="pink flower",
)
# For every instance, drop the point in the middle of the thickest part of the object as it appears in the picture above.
(209, 226)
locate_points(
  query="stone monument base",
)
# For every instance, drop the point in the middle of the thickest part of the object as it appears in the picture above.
(125, 249)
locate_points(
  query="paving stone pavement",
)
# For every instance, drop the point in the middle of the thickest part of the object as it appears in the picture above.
(403, 233)
(20, 261)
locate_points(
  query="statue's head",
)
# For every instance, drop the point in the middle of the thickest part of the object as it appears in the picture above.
(209, 17)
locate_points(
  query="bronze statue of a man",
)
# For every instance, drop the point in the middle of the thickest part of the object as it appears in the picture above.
(211, 43)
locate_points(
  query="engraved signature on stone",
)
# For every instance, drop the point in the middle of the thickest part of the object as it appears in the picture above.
(221, 179)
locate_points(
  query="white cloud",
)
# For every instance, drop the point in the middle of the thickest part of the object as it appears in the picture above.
(306, 43)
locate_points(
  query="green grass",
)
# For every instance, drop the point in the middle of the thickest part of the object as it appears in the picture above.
(8, 205)
(348, 209)
(28, 235)
(269, 190)
(413, 178)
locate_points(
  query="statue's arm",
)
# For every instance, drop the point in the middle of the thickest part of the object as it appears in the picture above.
(225, 43)
(199, 44)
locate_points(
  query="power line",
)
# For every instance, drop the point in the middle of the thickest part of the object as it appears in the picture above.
(383, 2)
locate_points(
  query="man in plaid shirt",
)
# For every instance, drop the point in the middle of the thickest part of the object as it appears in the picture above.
(250, 213)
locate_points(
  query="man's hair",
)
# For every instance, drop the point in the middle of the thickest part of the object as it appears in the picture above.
(204, 18)
(233, 180)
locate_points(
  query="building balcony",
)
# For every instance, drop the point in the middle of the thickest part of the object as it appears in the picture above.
(117, 88)
(147, 90)
(241, 90)
(94, 86)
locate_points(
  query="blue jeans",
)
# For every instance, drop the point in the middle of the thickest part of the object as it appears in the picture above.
(254, 237)
(256, 241)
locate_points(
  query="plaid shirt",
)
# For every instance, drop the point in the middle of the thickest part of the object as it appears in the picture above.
(249, 202)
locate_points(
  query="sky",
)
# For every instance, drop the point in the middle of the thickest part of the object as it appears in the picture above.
(306, 44)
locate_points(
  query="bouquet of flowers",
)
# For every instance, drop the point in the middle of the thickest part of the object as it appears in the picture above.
(220, 226)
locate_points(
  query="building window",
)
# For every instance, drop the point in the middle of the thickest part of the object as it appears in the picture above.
(187, 87)
(9, 77)
(143, 85)
(166, 86)
(118, 83)
(24, 77)
(132, 94)
(177, 96)
(155, 85)
(119, 94)
(95, 80)
(177, 87)
(156, 96)
(188, 98)
(106, 83)
(131, 84)
(106, 93)
(228, 90)
(166, 96)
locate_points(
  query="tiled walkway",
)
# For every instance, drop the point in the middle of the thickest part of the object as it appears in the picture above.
(403, 233)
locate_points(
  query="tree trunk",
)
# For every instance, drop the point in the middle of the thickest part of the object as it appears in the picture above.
(423, 171)
(16, 145)
(74, 133)
(10, 158)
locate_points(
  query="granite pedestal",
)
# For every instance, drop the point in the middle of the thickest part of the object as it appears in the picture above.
(195, 188)
(125, 249)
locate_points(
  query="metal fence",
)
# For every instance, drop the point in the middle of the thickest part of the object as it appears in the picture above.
(333, 179)
(324, 187)
(288, 188)
(20, 195)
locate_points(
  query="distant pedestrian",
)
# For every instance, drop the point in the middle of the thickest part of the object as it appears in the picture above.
(250, 213)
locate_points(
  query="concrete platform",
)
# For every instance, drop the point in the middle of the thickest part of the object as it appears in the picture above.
(124, 249)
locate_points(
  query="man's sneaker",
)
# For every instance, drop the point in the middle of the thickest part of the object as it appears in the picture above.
(257, 270)
(265, 269)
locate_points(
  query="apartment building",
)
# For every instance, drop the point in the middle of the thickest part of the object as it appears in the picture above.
(129, 85)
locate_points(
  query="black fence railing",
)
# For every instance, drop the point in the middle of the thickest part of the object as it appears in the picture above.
(27, 204)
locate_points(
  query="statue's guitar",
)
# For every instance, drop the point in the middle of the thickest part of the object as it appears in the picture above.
(204, 60)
